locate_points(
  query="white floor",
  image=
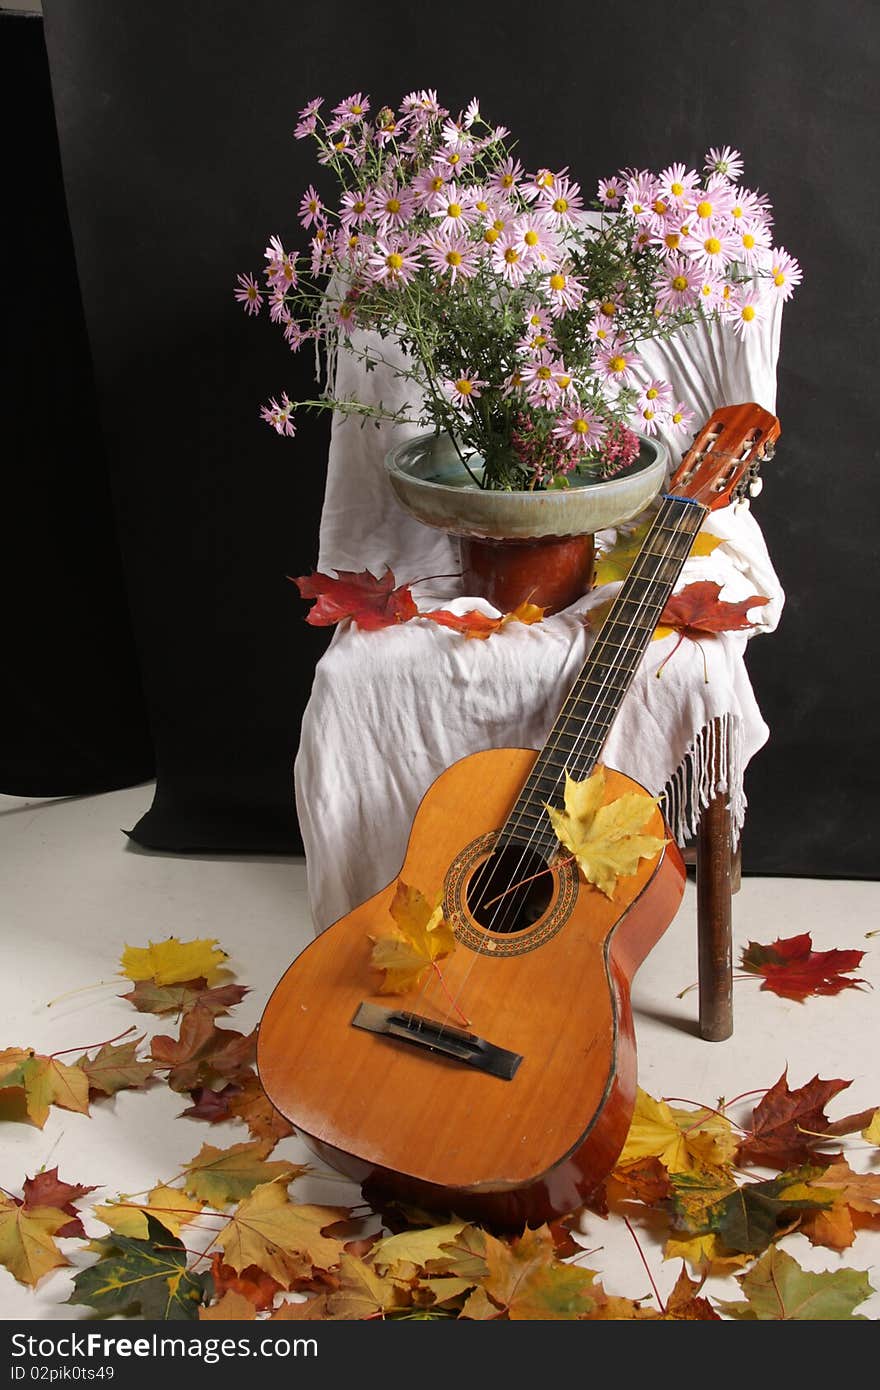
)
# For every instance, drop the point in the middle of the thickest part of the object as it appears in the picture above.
(74, 892)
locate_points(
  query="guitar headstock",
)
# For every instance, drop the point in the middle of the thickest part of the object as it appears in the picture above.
(722, 464)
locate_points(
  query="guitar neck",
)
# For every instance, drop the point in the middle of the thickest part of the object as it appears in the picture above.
(576, 739)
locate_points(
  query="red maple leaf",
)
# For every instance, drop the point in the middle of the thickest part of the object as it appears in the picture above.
(203, 1054)
(372, 603)
(212, 1106)
(697, 609)
(47, 1190)
(472, 624)
(794, 970)
(787, 1125)
(252, 1283)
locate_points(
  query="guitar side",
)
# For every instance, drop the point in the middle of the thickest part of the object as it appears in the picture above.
(421, 1127)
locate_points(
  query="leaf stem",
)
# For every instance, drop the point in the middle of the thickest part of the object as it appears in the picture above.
(64, 1050)
(645, 1263)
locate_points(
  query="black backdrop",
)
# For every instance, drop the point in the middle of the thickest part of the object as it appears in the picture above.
(175, 130)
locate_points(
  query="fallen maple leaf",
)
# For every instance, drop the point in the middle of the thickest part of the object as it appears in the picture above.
(253, 1284)
(422, 936)
(792, 969)
(370, 602)
(269, 1231)
(169, 1206)
(116, 1067)
(778, 1289)
(604, 836)
(47, 1190)
(787, 1125)
(171, 962)
(27, 1247)
(616, 562)
(146, 1276)
(682, 1140)
(696, 611)
(149, 998)
(37, 1082)
(363, 1292)
(525, 1282)
(221, 1176)
(855, 1199)
(255, 1109)
(209, 1105)
(421, 1248)
(758, 1213)
(203, 1053)
(872, 1133)
(482, 625)
(232, 1307)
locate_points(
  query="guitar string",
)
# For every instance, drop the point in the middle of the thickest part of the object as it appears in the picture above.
(603, 684)
(642, 606)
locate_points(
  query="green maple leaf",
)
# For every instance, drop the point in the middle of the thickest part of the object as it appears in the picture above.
(750, 1218)
(149, 1277)
(221, 1176)
(777, 1289)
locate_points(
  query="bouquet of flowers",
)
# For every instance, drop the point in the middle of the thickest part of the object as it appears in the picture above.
(520, 310)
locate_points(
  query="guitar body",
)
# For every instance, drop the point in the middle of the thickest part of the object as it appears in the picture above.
(418, 1126)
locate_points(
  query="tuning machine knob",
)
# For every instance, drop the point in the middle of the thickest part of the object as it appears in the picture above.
(756, 487)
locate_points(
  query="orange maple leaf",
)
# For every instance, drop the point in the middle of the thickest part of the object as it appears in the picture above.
(481, 625)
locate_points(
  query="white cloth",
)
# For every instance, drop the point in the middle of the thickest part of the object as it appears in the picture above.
(390, 710)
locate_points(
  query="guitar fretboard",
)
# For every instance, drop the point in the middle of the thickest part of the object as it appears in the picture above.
(585, 719)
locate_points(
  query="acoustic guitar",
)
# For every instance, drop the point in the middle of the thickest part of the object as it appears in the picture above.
(517, 1117)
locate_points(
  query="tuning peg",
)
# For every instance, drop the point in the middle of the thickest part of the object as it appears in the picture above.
(769, 451)
(741, 504)
(756, 487)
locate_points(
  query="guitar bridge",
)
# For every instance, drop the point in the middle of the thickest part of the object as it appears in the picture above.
(438, 1038)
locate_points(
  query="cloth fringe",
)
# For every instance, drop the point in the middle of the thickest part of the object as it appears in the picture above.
(695, 782)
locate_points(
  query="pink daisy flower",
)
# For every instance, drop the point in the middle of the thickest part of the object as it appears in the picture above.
(339, 145)
(507, 178)
(422, 101)
(452, 254)
(677, 184)
(616, 364)
(657, 395)
(711, 292)
(610, 193)
(564, 290)
(559, 202)
(648, 419)
(394, 261)
(785, 273)
(458, 157)
(541, 182)
(712, 204)
(278, 310)
(510, 260)
(725, 161)
(487, 203)
(321, 248)
(294, 335)
(453, 207)
(462, 389)
(310, 208)
(680, 417)
(353, 108)
(639, 195)
(248, 294)
(471, 113)
(280, 417)
(671, 234)
(679, 286)
(748, 206)
(280, 268)
(713, 249)
(546, 380)
(392, 207)
(430, 183)
(308, 118)
(344, 316)
(754, 240)
(354, 207)
(538, 239)
(602, 328)
(580, 428)
(746, 311)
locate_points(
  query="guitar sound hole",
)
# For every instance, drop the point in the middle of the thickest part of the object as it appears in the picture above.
(511, 890)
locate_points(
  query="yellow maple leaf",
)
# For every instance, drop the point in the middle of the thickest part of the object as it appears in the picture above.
(422, 1248)
(526, 612)
(26, 1245)
(616, 562)
(682, 1140)
(420, 938)
(171, 962)
(704, 1253)
(284, 1240)
(222, 1176)
(232, 1307)
(604, 836)
(171, 1207)
(363, 1292)
(42, 1081)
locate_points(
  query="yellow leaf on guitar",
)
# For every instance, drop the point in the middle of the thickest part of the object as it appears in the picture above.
(421, 938)
(617, 562)
(604, 837)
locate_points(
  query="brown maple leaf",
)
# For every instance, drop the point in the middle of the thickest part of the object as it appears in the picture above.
(150, 998)
(203, 1053)
(788, 1125)
(792, 968)
(209, 1105)
(372, 603)
(253, 1283)
(116, 1068)
(47, 1190)
(696, 611)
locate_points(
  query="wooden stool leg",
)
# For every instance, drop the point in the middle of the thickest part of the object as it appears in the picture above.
(714, 921)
